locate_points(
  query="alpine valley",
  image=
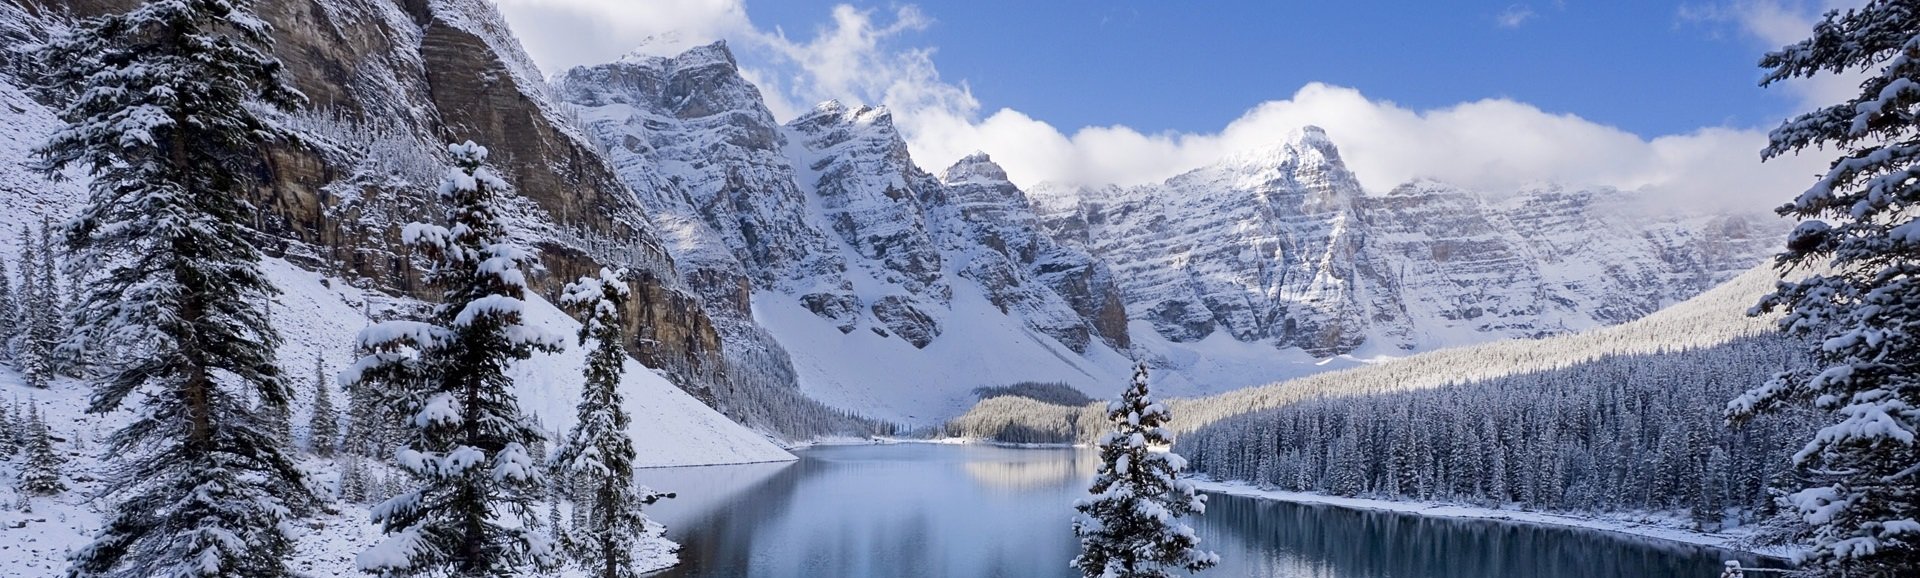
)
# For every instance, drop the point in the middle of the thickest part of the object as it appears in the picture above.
(815, 256)
(805, 280)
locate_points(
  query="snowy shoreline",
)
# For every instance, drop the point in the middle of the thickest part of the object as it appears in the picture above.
(1645, 528)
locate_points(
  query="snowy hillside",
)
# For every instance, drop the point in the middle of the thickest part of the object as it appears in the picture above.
(1281, 245)
(1269, 265)
(320, 316)
(1710, 320)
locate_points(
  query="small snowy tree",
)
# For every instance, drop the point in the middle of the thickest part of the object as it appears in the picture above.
(1860, 242)
(41, 475)
(1130, 527)
(353, 480)
(323, 428)
(10, 431)
(9, 310)
(168, 120)
(469, 443)
(32, 354)
(598, 454)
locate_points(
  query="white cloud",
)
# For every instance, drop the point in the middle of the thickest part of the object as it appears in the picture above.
(1495, 145)
(1772, 24)
(1514, 16)
(561, 34)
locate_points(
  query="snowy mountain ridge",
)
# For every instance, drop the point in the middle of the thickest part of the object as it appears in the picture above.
(1278, 249)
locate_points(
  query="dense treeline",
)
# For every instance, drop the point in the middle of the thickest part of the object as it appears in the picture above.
(1708, 320)
(1054, 392)
(1620, 433)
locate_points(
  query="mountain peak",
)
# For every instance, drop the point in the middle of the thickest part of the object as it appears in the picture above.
(976, 168)
(1307, 145)
(669, 50)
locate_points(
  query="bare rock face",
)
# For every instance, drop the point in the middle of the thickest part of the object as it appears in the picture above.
(1281, 245)
(1257, 246)
(389, 82)
(696, 143)
(1062, 291)
(869, 192)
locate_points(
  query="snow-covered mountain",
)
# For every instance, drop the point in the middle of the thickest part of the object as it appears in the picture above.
(816, 256)
(1254, 269)
(1280, 245)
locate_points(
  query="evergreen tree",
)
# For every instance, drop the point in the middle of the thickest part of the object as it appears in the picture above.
(1860, 302)
(370, 426)
(165, 120)
(353, 480)
(41, 476)
(598, 454)
(478, 482)
(323, 429)
(47, 313)
(1130, 527)
(31, 355)
(10, 430)
(277, 421)
(9, 310)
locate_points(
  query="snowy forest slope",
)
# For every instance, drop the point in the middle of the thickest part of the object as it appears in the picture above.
(1714, 318)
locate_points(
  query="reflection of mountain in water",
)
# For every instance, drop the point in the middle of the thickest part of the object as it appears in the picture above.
(1032, 474)
(914, 510)
(1271, 538)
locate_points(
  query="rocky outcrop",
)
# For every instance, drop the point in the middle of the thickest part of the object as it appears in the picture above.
(830, 209)
(388, 83)
(1062, 291)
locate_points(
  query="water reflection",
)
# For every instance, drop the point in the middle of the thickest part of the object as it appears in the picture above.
(969, 511)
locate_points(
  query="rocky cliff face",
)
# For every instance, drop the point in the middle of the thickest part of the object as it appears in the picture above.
(389, 82)
(1280, 245)
(829, 209)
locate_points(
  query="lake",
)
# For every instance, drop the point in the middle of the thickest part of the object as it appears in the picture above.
(965, 511)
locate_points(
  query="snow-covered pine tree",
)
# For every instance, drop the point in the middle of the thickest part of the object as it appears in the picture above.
(166, 118)
(31, 356)
(353, 480)
(277, 419)
(369, 423)
(9, 310)
(1130, 528)
(10, 429)
(41, 474)
(598, 454)
(1859, 245)
(323, 427)
(469, 444)
(47, 324)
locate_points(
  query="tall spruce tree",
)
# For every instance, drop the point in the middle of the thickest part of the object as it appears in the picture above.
(10, 431)
(9, 310)
(323, 428)
(1859, 246)
(166, 120)
(41, 474)
(469, 442)
(598, 454)
(47, 326)
(32, 355)
(1130, 527)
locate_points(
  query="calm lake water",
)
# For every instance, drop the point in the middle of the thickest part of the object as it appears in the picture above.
(919, 510)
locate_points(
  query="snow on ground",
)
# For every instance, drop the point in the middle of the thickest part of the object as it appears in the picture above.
(1220, 363)
(671, 428)
(319, 316)
(1663, 526)
(887, 378)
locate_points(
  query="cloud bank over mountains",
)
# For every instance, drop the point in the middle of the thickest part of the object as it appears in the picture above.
(1495, 144)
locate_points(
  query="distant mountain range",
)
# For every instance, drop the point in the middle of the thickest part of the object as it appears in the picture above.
(816, 256)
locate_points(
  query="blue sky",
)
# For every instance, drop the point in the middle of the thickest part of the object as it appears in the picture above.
(1492, 96)
(1647, 67)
